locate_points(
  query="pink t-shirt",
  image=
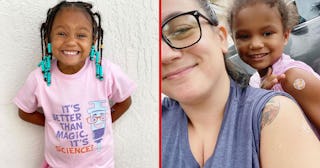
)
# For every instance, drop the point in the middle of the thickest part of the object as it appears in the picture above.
(280, 67)
(78, 125)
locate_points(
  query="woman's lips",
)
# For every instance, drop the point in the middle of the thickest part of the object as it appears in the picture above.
(179, 72)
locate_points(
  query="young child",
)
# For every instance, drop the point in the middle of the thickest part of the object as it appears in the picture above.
(73, 85)
(260, 30)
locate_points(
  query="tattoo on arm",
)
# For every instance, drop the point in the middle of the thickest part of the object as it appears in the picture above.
(269, 113)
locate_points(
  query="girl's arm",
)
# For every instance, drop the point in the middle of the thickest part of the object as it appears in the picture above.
(119, 108)
(287, 139)
(34, 118)
(305, 88)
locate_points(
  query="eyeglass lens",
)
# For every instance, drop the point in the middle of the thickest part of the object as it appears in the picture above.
(182, 31)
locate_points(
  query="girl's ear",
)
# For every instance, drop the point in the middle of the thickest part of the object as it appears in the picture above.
(223, 37)
(286, 35)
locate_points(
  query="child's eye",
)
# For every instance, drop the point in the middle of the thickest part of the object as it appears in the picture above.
(267, 34)
(242, 36)
(81, 35)
(61, 34)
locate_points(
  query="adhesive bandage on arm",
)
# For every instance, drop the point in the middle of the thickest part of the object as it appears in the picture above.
(299, 84)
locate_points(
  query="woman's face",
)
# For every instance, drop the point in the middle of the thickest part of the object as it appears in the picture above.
(190, 74)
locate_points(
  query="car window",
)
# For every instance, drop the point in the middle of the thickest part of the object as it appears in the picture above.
(308, 9)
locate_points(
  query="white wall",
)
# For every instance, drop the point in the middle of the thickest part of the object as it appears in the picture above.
(131, 40)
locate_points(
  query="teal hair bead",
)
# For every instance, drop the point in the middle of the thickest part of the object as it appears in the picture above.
(97, 57)
(92, 52)
(49, 48)
(100, 72)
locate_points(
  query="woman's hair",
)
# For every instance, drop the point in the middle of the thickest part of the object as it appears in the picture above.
(46, 27)
(236, 72)
(288, 18)
(208, 8)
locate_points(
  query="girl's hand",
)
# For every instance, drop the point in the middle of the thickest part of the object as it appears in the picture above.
(270, 80)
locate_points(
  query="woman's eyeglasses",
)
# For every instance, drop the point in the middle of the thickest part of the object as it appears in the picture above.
(184, 30)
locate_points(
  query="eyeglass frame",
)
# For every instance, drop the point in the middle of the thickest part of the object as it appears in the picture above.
(197, 15)
(101, 117)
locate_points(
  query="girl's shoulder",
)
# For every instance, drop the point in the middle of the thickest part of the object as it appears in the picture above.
(286, 62)
(35, 75)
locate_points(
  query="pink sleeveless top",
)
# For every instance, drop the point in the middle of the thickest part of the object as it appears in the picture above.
(281, 66)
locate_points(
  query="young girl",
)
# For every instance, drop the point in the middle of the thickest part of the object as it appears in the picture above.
(73, 85)
(260, 30)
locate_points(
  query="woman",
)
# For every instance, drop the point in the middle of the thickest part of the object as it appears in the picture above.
(211, 121)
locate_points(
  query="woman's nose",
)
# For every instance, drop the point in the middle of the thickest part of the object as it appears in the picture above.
(169, 54)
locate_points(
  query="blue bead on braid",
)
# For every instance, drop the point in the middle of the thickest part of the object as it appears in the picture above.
(92, 52)
(45, 65)
(99, 72)
(96, 54)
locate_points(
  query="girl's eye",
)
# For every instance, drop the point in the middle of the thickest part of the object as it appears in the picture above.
(81, 35)
(242, 36)
(267, 34)
(61, 34)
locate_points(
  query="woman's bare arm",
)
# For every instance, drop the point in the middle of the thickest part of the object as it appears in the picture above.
(287, 139)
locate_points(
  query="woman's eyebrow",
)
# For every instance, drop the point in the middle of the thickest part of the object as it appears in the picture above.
(170, 16)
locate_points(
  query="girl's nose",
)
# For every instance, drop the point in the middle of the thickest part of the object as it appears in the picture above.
(256, 43)
(71, 40)
(169, 54)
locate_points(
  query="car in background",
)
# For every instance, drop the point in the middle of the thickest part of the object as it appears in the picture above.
(304, 40)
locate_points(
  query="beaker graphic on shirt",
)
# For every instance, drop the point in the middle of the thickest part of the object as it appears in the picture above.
(97, 120)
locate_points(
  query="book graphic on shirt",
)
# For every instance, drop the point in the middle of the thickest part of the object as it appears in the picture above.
(97, 121)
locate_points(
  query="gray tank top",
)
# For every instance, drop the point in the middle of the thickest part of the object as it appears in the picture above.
(239, 137)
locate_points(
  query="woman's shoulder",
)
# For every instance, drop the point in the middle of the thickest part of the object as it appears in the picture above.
(168, 103)
(171, 110)
(284, 123)
(255, 99)
(248, 92)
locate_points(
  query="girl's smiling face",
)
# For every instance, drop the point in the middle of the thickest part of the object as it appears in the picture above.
(259, 35)
(71, 39)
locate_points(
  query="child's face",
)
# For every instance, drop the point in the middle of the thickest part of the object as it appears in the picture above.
(259, 36)
(71, 39)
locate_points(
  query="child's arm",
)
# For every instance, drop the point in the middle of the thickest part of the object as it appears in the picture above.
(34, 118)
(287, 139)
(119, 108)
(305, 88)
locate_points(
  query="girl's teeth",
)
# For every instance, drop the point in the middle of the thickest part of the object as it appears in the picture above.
(70, 52)
(258, 55)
